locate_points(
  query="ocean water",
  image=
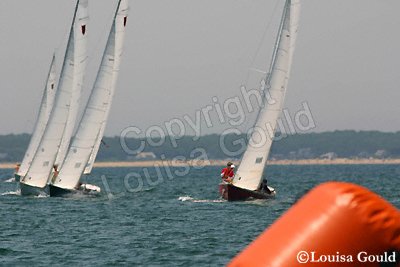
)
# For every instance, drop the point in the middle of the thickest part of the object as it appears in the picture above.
(159, 217)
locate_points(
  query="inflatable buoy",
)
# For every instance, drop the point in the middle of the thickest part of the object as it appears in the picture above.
(335, 224)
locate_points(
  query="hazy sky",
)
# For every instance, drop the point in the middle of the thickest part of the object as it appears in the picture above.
(181, 53)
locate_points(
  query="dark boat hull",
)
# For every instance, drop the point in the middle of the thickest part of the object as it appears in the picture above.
(60, 192)
(17, 177)
(233, 193)
(27, 190)
(84, 189)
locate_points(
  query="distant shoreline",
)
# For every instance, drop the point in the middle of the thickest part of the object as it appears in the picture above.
(197, 163)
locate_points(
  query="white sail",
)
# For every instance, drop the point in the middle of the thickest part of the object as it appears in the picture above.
(71, 78)
(81, 53)
(42, 119)
(92, 125)
(251, 168)
(93, 155)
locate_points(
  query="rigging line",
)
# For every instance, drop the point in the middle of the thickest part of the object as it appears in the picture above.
(273, 60)
(252, 67)
(67, 34)
(97, 49)
(264, 33)
(103, 36)
(63, 41)
(86, 87)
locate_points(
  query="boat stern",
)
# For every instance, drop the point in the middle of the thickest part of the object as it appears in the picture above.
(232, 193)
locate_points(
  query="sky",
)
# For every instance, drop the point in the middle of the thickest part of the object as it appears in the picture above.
(183, 55)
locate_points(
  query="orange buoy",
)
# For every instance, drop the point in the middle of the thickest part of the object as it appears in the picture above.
(335, 224)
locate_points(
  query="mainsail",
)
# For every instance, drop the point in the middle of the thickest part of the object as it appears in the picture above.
(42, 119)
(251, 168)
(57, 132)
(91, 128)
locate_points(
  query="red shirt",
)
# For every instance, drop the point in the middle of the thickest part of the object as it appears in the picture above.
(227, 173)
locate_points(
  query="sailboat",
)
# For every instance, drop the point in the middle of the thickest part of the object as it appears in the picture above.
(58, 131)
(41, 121)
(123, 6)
(85, 145)
(248, 181)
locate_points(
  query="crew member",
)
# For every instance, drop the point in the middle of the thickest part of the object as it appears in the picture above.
(227, 173)
(17, 168)
(55, 172)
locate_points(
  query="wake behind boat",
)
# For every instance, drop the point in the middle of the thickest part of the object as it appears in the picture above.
(10, 180)
(248, 181)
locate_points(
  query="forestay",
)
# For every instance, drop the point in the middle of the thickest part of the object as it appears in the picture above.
(91, 128)
(251, 168)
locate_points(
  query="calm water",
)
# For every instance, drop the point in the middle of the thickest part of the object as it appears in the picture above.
(178, 221)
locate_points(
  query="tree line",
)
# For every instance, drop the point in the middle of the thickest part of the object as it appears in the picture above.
(312, 145)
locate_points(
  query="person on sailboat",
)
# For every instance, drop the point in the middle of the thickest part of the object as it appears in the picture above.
(17, 167)
(264, 187)
(55, 171)
(78, 186)
(228, 173)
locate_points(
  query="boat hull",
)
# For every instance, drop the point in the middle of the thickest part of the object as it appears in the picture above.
(28, 190)
(60, 192)
(84, 189)
(17, 177)
(233, 193)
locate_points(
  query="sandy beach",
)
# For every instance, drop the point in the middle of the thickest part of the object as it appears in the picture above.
(198, 163)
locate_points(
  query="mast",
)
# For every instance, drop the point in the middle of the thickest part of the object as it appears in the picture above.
(69, 88)
(42, 119)
(91, 128)
(251, 168)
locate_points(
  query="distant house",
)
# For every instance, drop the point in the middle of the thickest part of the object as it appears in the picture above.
(381, 154)
(145, 156)
(329, 156)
